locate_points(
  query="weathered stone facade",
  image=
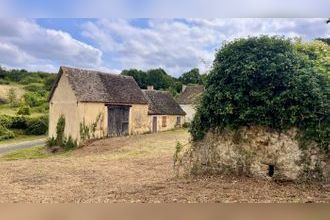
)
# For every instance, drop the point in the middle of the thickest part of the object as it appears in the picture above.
(259, 152)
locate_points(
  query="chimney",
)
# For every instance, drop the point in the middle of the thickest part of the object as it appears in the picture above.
(150, 87)
(183, 88)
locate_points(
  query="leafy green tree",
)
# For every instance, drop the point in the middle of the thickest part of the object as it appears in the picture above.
(159, 79)
(191, 77)
(139, 76)
(264, 81)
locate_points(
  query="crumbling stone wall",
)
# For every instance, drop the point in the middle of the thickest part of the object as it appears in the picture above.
(259, 152)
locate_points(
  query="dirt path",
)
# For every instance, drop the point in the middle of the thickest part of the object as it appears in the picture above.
(21, 145)
(135, 169)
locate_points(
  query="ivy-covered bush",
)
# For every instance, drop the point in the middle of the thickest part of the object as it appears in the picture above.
(264, 81)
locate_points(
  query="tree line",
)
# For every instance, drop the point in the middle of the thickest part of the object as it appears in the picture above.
(161, 80)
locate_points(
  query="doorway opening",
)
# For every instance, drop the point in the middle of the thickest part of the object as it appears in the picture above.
(271, 170)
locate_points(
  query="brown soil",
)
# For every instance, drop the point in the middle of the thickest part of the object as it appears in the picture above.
(136, 169)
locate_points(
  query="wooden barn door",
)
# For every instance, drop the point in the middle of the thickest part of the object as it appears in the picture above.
(118, 117)
(154, 124)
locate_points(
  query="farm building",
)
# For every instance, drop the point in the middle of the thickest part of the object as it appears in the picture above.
(187, 100)
(164, 112)
(113, 103)
(104, 104)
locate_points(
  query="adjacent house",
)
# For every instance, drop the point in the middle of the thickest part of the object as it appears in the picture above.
(100, 103)
(164, 112)
(96, 104)
(188, 98)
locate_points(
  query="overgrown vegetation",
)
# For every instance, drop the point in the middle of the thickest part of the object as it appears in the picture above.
(267, 81)
(24, 107)
(67, 143)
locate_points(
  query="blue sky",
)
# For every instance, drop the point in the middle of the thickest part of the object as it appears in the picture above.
(176, 45)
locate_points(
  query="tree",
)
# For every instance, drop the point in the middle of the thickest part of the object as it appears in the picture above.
(159, 79)
(264, 81)
(191, 77)
(139, 76)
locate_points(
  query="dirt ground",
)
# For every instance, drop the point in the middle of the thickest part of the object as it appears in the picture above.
(136, 169)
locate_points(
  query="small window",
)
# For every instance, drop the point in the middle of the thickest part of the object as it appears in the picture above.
(164, 118)
(178, 120)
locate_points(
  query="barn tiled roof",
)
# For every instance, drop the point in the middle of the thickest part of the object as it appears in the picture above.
(162, 103)
(189, 94)
(94, 86)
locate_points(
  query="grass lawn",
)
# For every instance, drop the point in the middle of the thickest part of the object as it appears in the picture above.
(21, 138)
(38, 152)
(28, 153)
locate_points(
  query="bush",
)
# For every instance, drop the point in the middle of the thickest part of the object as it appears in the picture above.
(264, 81)
(24, 110)
(69, 143)
(35, 87)
(5, 133)
(51, 142)
(5, 121)
(18, 122)
(33, 99)
(37, 126)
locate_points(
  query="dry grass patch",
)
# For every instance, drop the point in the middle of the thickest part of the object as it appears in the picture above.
(135, 169)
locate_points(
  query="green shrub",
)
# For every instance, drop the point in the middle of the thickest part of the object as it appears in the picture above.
(5, 133)
(35, 87)
(51, 142)
(24, 110)
(60, 126)
(186, 125)
(264, 81)
(69, 143)
(18, 122)
(37, 126)
(34, 99)
(5, 121)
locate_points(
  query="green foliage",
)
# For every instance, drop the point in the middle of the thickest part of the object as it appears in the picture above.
(36, 88)
(51, 142)
(5, 133)
(191, 77)
(60, 126)
(24, 110)
(264, 81)
(34, 99)
(37, 126)
(318, 53)
(88, 131)
(139, 76)
(69, 143)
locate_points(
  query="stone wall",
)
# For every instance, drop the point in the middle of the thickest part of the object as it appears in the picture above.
(259, 152)
(190, 112)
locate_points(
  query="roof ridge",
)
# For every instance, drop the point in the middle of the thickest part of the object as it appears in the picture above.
(94, 71)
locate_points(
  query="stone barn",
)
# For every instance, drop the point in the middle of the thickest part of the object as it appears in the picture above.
(188, 98)
(164, 112)
(100, 103)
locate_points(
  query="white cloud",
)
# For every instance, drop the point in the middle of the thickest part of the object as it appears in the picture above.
(179, 45)
(25, 44)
